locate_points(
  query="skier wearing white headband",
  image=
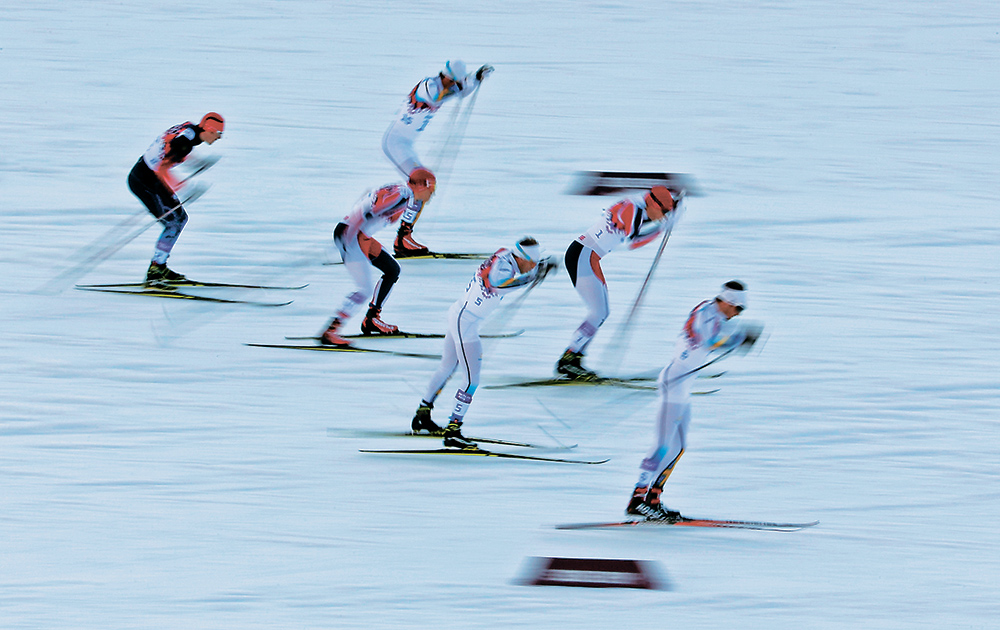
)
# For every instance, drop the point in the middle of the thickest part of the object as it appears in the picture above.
(506, 271)
(709, 328)
(424, 100)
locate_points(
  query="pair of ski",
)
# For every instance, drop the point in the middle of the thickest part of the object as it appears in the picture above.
(172, 290)
(316, 346)
(683, 521)
(456, 452)
(433, 256)
(633, 382)
(637, 382)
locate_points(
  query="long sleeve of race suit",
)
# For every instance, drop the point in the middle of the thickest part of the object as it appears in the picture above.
(707, 328)
(431, 93)
(176, 151)
(504, 275)
(650, 230)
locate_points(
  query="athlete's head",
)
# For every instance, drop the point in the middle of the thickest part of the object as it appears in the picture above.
(454, 71)
(528, 252)
(422, 182)
(732, 299)
(212, 125)
(659, 202)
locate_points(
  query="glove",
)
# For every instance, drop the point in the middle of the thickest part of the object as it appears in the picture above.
(545, 266)
(483, 72)
(190, 192)
(751, 333)
(198, 165)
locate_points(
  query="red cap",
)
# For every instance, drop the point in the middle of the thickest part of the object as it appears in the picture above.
(212, 122)
(662, 197)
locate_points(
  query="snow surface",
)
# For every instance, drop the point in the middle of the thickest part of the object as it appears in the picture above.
(157, 473)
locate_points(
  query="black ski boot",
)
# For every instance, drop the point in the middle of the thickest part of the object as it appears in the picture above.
(162, 276)
(569, 365)
(422, 420)
(453, 437)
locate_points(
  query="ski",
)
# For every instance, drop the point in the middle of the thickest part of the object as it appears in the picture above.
(593, 183)
(445, 255)
(193, 283)
(410, 335)
(630, 383)
(372, 433)
(291, 346)
(696, 522)
(178, 295)
(433, 256)
(478, 452)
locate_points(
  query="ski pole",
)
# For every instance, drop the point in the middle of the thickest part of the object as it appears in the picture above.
(624, 331)
(107, 250)
(445, 159)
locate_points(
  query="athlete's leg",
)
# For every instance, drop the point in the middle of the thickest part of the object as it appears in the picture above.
(390, 274)
(672, 420)
(162, 204)
(593, 290)
(358, 267)
(397, 144)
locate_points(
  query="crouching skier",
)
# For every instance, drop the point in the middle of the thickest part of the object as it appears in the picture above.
(506, 271)
(360, 253)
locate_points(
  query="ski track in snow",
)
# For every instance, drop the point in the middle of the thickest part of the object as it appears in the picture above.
(157, 473)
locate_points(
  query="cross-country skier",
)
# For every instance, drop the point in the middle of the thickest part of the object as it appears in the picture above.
(506, 271)
(151, 181)
(360, 252)
(709, 328)
(413, 117)
(638, 221)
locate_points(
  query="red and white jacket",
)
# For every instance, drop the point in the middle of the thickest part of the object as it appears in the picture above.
(170, 149)
(626, 221)
(376, 210)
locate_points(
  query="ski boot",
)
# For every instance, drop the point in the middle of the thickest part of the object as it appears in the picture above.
(650, 510)
(405, 246)
(422, 420)
(162, 276)
(372, 325)
(329, 337)
(570, 367)
(453, 437)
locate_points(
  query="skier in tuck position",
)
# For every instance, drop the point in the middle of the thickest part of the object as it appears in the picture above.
(506, 271)
(709, 328)
(638, 221)
(151, 181)
(360, 252)
(413, 117)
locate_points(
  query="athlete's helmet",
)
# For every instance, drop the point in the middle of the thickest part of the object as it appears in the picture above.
(455, 70)
(660, 195)
(212, 122)
(422, 182)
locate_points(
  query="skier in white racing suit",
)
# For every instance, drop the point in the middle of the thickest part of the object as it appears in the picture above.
(413, 117)
(635, 221)
(709, 328)
(506, 271)
(360, 252)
